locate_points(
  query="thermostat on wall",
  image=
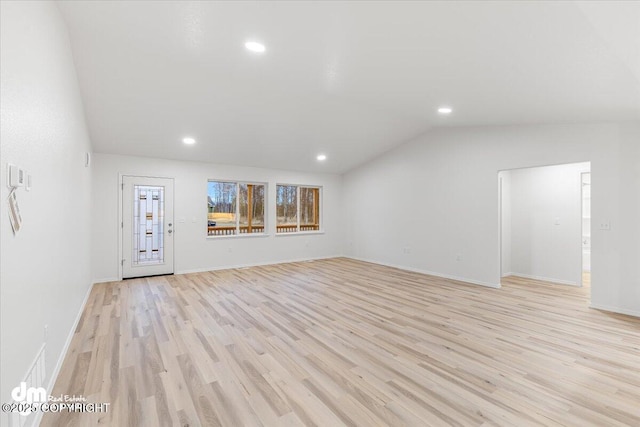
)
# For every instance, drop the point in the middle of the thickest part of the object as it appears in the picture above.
(17, 176)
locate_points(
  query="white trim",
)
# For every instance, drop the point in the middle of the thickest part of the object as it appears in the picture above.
(430, 273)
(63, 353)
(120, 219)
(299, 233)
(500, 224)
(239, 236)
(320, 213)
(546, 279)
(618, 310)
(582, 256)
(257, 264)
(106, 280)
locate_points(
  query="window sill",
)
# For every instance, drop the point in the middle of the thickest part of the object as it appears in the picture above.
(300, 233)
(239, 236)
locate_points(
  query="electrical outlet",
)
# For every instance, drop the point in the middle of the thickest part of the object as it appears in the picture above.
(605, 225)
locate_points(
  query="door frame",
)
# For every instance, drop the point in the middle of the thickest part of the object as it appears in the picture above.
(119, 225)
(582, 174)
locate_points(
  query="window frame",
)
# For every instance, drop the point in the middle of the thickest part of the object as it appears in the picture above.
(238, 234)
(298, 232)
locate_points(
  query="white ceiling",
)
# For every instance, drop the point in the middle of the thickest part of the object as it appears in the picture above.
(348, 79)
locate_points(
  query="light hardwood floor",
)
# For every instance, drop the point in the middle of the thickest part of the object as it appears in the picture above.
(342, 342)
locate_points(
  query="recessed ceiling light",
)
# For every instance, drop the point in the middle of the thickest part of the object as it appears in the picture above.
(189, 141)
(321, 157)
(445, 110)
(255, 47)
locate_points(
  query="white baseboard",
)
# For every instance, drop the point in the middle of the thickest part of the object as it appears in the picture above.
(618, 310)
(258, 264)
(430, 273)
(228, 267)
(108, 279)
(545, 279)
(63, 353)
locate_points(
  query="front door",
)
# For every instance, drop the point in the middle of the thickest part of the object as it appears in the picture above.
(147, 226)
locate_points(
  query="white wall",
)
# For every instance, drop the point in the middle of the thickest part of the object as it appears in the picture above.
(545, 215)
(193, 250)
(437, 196)
(621, 257)
(45, 269)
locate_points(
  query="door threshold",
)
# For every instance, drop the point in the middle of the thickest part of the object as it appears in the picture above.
(150, 275)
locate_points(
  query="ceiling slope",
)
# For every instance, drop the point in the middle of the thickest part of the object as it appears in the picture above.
(347, 79)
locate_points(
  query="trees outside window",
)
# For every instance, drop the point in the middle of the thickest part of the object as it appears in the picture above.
(297, 208)
(235, 208)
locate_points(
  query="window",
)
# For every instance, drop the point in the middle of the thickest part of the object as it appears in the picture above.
(235, 208)
(297, 208)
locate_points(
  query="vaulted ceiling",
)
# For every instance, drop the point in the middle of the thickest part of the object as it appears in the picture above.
(347, 79)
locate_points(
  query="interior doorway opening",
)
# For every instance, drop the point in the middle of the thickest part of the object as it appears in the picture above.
(545, 223)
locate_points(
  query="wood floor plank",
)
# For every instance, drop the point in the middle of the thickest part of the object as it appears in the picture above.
(343, 342)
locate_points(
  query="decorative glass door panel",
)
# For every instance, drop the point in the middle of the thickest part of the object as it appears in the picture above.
(148, 220)
(147, 226)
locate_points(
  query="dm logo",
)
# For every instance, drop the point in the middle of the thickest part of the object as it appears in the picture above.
(29, 395)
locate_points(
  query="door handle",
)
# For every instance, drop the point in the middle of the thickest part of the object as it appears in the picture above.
(170, 231)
